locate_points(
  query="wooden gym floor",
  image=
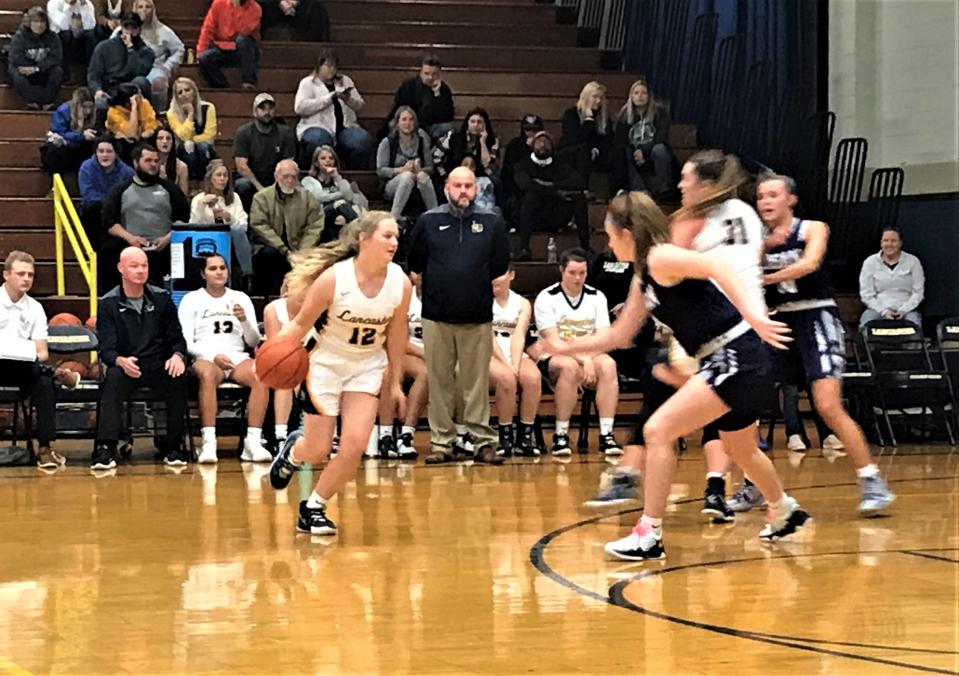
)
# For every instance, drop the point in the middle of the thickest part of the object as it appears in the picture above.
(469, 569)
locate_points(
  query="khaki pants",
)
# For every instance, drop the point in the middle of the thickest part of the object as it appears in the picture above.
(468, 347)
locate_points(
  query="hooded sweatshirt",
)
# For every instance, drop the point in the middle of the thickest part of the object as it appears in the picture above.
(42, 51)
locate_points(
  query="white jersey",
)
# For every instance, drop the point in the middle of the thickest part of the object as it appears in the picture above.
(355, 325)
(210, 328)
(505, 319)
(572, 317)
(734, 232)
(282, 310)
(415, 320)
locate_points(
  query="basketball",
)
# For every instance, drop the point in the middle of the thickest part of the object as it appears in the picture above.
(91, 323)
(281, 363)
(65, 319)
(74, 366)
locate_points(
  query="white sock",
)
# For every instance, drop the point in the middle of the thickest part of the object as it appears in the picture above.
(409, 429)
(208, 434)
(715, 475)
(562, 427)
(461, 430)
(528, 423)
(625, 470)
(868, 471)
(651, 523)
(386, 431)
(781, 507)
(315, 501)
(280, 431)
(254, 435)
(606, 425)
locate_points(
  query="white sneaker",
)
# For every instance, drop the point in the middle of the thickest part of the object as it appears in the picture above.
(832, 443)
(795, 443)
(254, 452)
(207, 454)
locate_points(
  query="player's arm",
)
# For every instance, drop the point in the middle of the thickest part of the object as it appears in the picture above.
(187, 315)
(617, 335)
(669, 264)
(271, 325)
(397, 335)
(518, 339)
(43, 351)
(318, 299)
(817, 236)
(251, 331)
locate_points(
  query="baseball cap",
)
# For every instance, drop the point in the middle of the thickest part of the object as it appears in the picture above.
(263, 97)
(543, 134)
(531, 122)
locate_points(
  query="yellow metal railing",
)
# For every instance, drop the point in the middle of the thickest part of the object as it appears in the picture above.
(66, 221)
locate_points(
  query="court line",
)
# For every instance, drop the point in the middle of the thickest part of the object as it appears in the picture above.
(537, 559)
(924, 554)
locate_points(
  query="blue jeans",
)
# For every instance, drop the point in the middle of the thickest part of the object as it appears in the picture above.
(869, 315)
(197, 160)
(242, 250)
(246, 190)
(352, 144)
(245, 55)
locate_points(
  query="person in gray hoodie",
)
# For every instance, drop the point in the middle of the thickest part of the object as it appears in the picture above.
(36, 61)
(125, 57)
(167, 49)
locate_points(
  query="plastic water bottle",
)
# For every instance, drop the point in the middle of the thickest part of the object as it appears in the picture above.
(551, 250)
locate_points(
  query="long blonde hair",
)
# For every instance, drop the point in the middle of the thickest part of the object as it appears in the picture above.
(310, 264)
(175, 107)
(582, 105)
(630, 113)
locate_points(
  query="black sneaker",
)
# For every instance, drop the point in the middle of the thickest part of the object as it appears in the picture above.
(313, 520)
(282, 470)
(561, 445)
(505, 448)
(714, 505)
(387, 447)
(104, 456)
(796, 520)
(175, 457)
(637, 546)
(525, 443)
(405, 447)
(608, 445)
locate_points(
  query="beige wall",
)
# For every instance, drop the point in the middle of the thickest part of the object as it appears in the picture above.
(894, 79)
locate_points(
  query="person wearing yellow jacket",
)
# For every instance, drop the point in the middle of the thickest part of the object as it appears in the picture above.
(130, 118)
(193, 120)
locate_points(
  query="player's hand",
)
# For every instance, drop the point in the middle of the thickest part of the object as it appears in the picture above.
(238, 312)
(589, 373)
(129, 366)
(773, 332)
(399, 400)
(224, 362)
(638, 157)
(514, 364)
(175, 366)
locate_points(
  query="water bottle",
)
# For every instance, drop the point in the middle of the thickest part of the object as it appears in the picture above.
(551, 250)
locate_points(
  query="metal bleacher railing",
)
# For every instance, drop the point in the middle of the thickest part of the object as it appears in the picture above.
(67, 223)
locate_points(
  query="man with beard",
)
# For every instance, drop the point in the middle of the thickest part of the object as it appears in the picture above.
(459, 250)
(141, 212)
(284, 219)
(551, 195)
(257, 148)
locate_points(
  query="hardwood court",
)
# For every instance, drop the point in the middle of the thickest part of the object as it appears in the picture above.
(469, 569)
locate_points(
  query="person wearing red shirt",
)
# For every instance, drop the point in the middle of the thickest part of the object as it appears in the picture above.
(229, 36)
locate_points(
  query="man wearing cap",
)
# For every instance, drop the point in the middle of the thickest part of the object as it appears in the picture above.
(518, 148)
(125, 57)
(551, 193)
(230, 36)
(257, 148)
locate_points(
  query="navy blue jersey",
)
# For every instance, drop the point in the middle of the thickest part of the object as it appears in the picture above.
(813, 287)
(695, 309)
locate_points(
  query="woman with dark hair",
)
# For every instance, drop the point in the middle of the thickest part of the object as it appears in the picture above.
(404, 160)
(218, 203)
(475, 139)
(130, 118)
(35, 61)
(642, 133)
(330, 190)
(97, 176)
(327, 103)
(72, 130)
(171, 168)
(193, 120)
(713, 316)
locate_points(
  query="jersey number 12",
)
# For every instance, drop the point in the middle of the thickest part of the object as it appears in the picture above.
(362, 336)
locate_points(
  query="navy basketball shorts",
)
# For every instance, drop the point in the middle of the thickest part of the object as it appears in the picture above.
(819, 343)
(740, 374)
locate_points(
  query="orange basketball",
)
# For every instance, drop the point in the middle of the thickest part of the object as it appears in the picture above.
(281, 363)
(65, 319)
(91, 323)
(75, 366)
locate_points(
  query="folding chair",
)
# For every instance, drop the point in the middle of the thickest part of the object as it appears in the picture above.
(21, 406)
(909, 385)
(947, 345)
(860, 386)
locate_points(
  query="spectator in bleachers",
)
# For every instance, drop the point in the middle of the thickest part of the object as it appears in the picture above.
(172, 168)
(284, 220)
(130, 118)
(23, 351)
(229, 36)
(35, 61)
(429, 97)
(108, 13)
(142, 345)
(587, 140)
(642, 133)
(306, 18)
(330, 190)
(72, 131)
(551, 192)
(124, 58)
(892, 282)
(517, 150)
(219, 326)
(140, 212)
(511, 369)
(167, 49)
(404, 160)
(327, 103)
(193, 120)
(569, 309)
(218, 203)
(476, 139)
(74, 22)
(258, 146)
(97, 177)
(458, 270)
